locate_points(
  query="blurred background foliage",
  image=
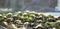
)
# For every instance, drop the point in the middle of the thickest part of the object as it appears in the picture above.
(31, 5)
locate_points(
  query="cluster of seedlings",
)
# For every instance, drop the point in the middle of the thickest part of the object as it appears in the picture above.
(30, 20)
